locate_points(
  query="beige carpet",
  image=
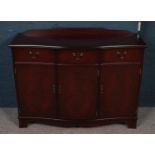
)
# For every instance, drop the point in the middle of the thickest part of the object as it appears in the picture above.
(9, 124)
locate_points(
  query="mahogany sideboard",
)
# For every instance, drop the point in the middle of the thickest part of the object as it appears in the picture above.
(77, 76)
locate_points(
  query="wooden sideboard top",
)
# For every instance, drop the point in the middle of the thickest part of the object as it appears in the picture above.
(77, 38)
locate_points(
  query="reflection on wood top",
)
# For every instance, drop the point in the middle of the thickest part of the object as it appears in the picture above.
(77, 38)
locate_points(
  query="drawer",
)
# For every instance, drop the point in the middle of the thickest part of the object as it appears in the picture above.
(33, 55)
(122, 55)
(77, 56)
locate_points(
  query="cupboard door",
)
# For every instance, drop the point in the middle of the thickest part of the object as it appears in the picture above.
(77, 91)
(35, 90)
(119, 90)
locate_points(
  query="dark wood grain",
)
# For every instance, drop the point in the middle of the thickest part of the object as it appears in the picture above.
(33, 55)
(34, 84)
(122, 55)
(77, 38)
(119, 88)
(77, 93)
(79, 84)
(77, 56)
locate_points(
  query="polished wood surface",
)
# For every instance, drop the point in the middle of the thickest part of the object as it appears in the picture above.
(33, 55)
(77, 38)
(119, 90)
(77, 56)
(35, 90)
(78, 85)
(77, 93)
(122, 55)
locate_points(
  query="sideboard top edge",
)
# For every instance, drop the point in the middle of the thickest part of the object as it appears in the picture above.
(97, 47)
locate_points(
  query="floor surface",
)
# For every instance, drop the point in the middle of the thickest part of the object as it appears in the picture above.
(9, 124)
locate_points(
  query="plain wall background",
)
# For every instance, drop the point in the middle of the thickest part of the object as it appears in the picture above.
(9, 29)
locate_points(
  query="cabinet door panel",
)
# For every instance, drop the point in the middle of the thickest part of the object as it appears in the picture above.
(34, 90)
(77, 92)
(119, 90)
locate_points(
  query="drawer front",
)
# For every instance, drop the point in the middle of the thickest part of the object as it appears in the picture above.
(33, 55)
(77, 56)
(122, 55)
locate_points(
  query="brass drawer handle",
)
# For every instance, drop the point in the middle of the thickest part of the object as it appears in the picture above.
(33, 55)
(121, 54)
(78, 54)
(118, 52)
(30, 52)
(74, 54)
